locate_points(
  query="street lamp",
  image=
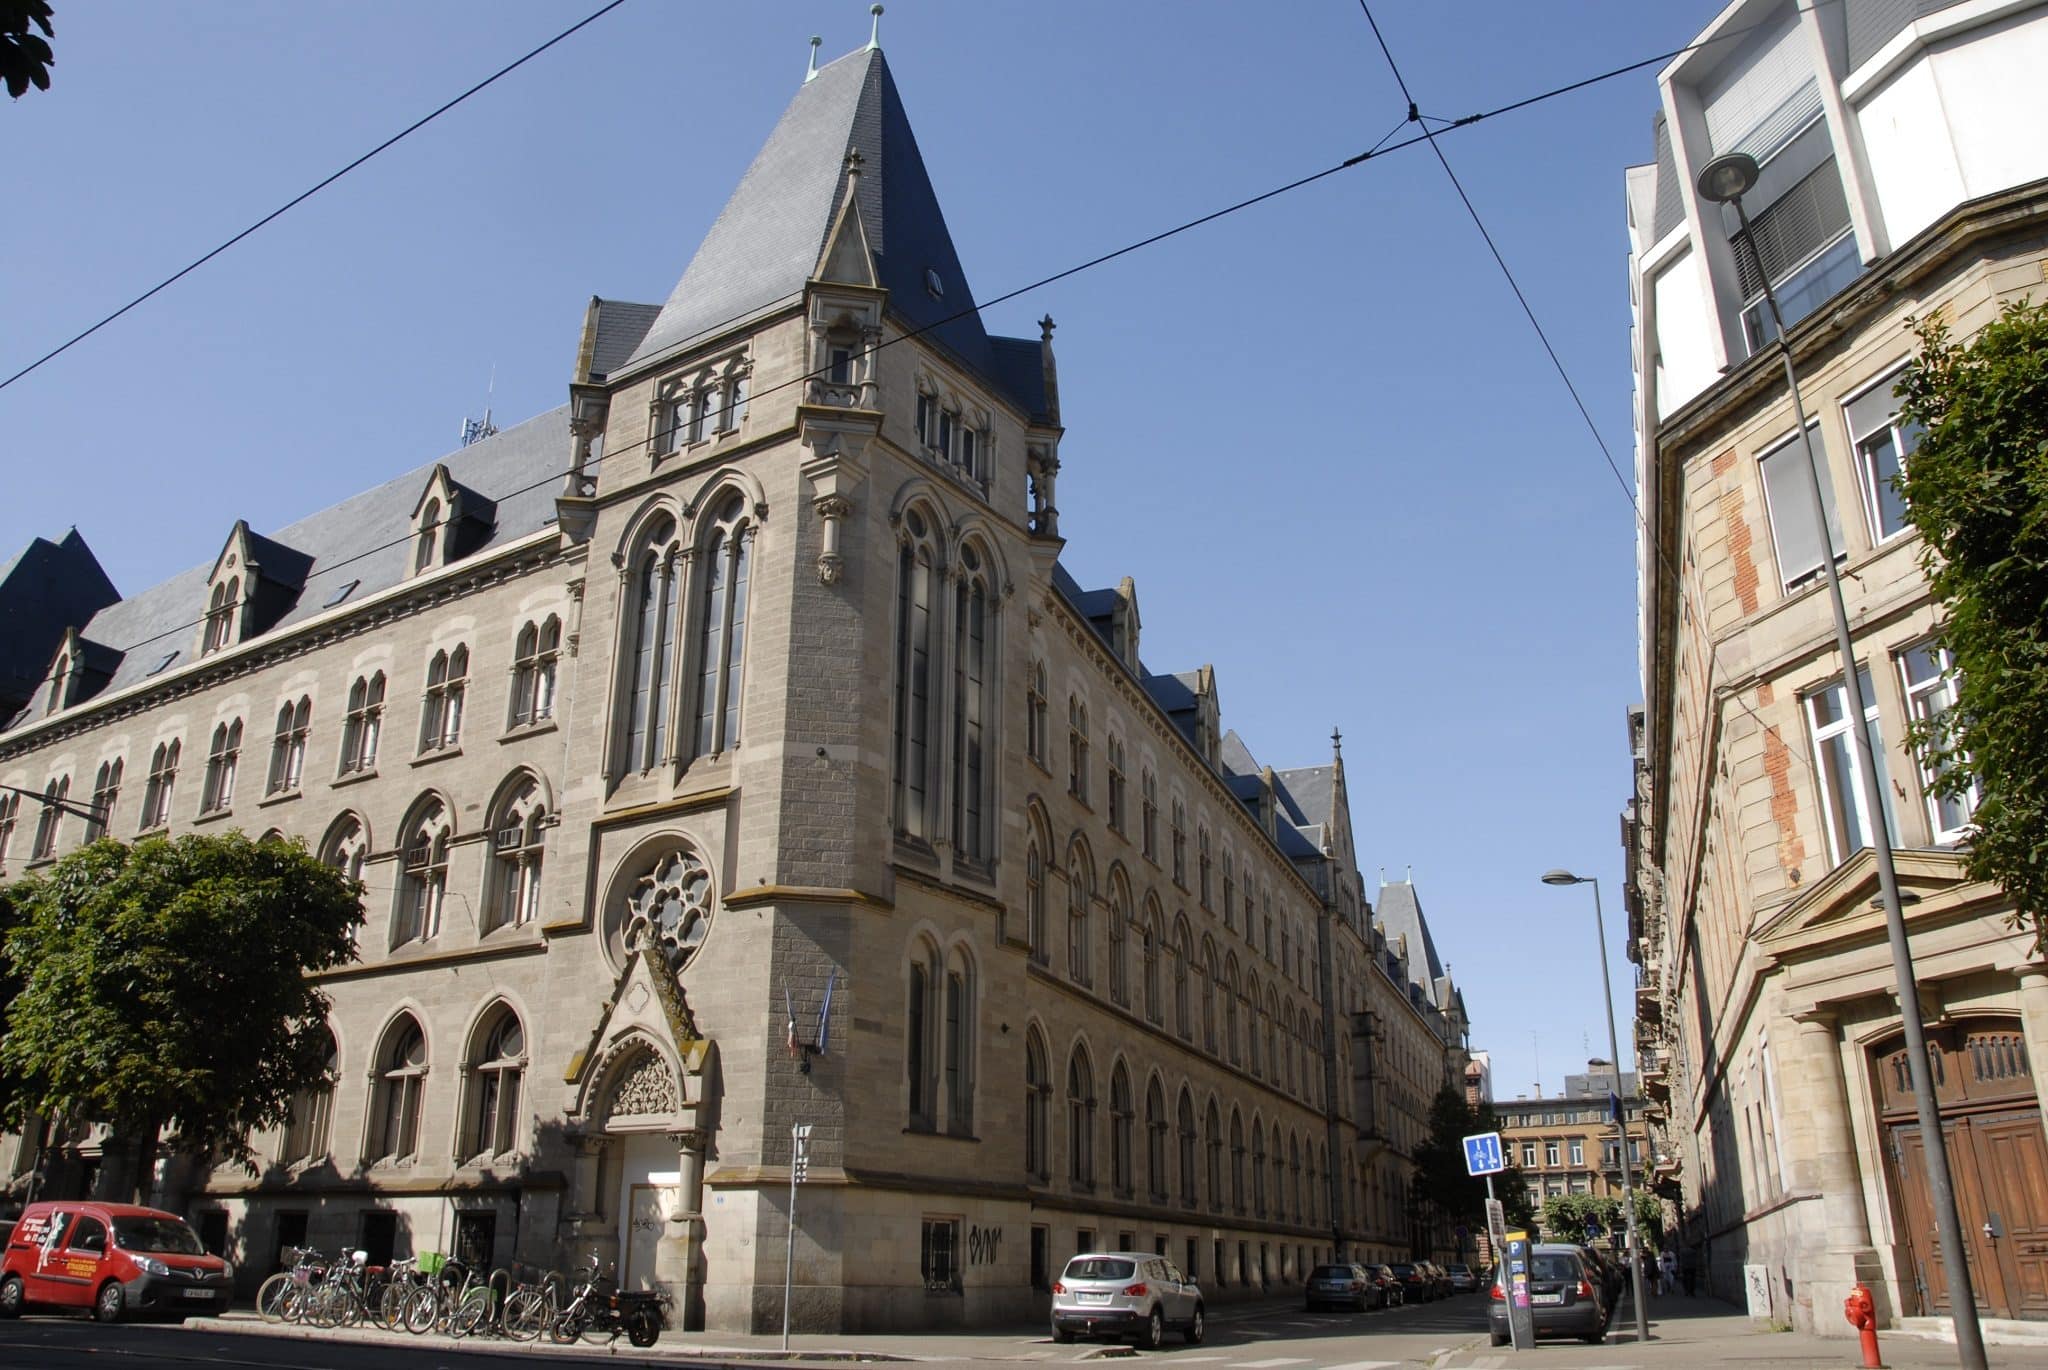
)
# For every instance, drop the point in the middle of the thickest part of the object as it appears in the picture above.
(1628, 1174)
(1725, 180)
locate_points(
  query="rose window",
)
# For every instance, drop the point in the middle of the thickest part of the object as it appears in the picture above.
(669, 910)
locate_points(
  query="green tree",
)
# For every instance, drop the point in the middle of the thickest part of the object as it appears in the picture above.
(25, 57)
(1440, 1176)
(1570, 1217)
(1976, 487)
(167, 982)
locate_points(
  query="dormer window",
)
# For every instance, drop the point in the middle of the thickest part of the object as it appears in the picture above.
(423, 542)
(220, 614)
(952, 436)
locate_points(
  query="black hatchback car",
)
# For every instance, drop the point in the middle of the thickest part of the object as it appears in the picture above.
(1565, 1296)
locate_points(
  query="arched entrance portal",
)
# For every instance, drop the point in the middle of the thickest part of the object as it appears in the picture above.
(1998, 1159)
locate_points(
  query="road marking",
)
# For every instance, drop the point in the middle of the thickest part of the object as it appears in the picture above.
(1364, 1365)
(1268, 1364)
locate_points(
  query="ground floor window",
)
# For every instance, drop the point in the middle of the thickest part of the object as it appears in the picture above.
(1084, 1240)
(1193, 1272)
(1221, 1280)
(1041, 1245)
(940, 1255)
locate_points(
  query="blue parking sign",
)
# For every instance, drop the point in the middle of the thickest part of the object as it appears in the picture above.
(1483, 1154)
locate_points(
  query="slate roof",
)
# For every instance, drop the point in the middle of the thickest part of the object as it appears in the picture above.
(518, 468)
(47, 588)
(766, 242)
(1311, 794)
(1237, 758)
(621, 327)
(1400, 912)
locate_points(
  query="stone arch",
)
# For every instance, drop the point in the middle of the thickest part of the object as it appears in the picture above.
(636, 1087)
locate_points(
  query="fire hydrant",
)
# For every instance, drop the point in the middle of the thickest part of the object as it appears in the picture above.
(1861, 1311)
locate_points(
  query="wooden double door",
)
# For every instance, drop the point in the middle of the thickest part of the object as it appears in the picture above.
(1991, 1122)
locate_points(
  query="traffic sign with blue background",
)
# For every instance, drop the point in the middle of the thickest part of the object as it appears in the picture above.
(1483, 1154)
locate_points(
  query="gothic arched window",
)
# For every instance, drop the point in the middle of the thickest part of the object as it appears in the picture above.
(722, 627)
(496, 1068)
(973, 628)
(917, 606)
(395, 1102)
(653, 601)
(518, 836)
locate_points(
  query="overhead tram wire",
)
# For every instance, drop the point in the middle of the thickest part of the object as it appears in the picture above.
(311, 191)
(978, 307)
(1628, 492)
(1377, 150)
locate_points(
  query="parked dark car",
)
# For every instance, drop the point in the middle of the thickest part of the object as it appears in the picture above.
(1343, 1286)
(1439, 1278)
(1416, 1285)
(1392, 1292)
(1612, 1272)
(1463, 1279)
(1565, 1297)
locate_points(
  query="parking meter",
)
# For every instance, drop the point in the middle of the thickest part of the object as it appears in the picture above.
(1516, 1259)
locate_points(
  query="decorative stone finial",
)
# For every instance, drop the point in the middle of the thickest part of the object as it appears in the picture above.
(812, 74)
(875, 34)
(1336, 742)
(1045, 328)
(854, 162)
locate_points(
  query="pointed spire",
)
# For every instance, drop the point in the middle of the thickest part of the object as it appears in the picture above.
(875, 33)
(812, 74)
(1336, 742)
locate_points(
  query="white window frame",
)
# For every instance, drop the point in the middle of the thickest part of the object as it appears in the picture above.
(1902, 442)
(1837, 810)
(1927, 699)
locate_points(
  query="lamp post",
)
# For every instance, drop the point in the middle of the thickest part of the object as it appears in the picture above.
(1628, 1174)
(1725, 180)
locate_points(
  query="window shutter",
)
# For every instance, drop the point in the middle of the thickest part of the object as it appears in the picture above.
(1764, 93)
(1793, 526)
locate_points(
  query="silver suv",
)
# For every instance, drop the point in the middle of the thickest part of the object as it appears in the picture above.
(1126, 1294)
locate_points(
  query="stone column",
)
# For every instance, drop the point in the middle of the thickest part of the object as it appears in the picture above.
(1836, 1252)
(2034, 1026)
(679, 1256)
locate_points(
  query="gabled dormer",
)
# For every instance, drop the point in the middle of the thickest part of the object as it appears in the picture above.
(1123, 622)
(843, 303)
(255, 580)
(449, 520)
(1208, 736)
(78, 671)
(229, 590)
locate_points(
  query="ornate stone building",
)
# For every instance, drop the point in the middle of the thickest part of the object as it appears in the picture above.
(1900, 177)
(728, 751)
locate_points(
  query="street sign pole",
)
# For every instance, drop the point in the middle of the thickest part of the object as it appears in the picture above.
(799, 1161)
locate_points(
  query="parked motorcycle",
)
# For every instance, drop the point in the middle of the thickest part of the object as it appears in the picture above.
(598, 1305)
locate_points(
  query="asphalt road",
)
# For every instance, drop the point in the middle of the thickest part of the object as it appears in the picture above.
(1269, 1337)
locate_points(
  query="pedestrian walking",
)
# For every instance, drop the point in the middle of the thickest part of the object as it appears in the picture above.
(1689, 1270)
(1667, 1270)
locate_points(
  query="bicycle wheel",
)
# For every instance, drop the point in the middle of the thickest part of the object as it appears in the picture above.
(528, 1313)
(420, 1307)
(325, 1304)
(390, 1310)
(471, 1313)
(272, 1295)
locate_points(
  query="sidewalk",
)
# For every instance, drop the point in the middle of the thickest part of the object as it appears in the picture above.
(1023, 1342)
(1698, 1333)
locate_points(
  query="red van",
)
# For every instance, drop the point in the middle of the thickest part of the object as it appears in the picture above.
(114, 1259)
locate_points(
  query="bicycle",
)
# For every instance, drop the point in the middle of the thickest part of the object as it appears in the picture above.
(339, 1300)
(285, 1296)
(532, 1305)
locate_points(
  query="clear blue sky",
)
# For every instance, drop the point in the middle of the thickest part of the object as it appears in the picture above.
(1318, 434)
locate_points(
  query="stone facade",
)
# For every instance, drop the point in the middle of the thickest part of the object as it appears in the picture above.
(1768, 1022)
(792, 783)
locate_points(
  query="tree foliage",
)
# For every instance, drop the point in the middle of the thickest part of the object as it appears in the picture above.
(1571, 1217)
(1976, 487)
(25, 56)
(167, 981)
(1440, 1177)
